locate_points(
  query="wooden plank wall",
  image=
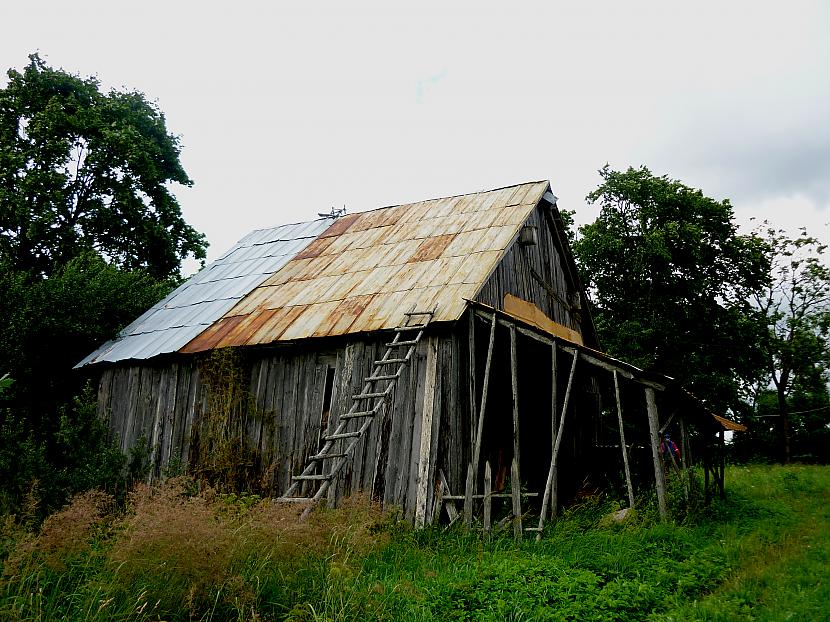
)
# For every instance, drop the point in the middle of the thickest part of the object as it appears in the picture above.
(162, 400)
(513, 275)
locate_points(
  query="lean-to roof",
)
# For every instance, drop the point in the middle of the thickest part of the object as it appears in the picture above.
(368, 268)
(204, 298)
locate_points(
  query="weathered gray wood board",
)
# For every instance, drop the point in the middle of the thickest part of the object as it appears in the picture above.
(161, 402)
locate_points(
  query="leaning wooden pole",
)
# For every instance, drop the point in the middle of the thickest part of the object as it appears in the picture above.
(659, 475)
(553, 425)
(622, 442)
(554, 461)
(485, 387)
(515, 476)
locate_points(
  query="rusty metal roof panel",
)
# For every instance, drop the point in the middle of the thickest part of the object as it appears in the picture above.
(208, 295)
(368, 268)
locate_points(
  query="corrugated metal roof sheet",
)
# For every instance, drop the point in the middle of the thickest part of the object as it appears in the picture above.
(205, 297)
(368, 268)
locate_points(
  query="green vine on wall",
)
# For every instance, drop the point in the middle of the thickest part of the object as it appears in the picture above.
(221, 450)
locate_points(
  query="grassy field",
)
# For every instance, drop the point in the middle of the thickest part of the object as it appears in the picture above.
(174, 553)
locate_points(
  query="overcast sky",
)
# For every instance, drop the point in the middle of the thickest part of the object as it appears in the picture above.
(289, 109)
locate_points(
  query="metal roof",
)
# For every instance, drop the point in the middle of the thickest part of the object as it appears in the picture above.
(205, 297)
(368, 268)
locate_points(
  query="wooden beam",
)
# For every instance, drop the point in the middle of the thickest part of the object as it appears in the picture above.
(684, 457)
(468, 496)
(553, 426)
(516, 490)
(622, 443)
(659, 475)
(484, 390)
(425, 450)
(488, 490)
(722, 463)
(471, 350)
(515, 477)
(588, 358)
(554, 462)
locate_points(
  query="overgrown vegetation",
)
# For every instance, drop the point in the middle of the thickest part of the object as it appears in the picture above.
(221, 450)
(91, 236)
(180, 553)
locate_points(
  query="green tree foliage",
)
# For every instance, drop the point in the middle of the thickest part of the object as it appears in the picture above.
(670, 279)
(84, 170)
(52, 323)
(796, 345)
(90, 237)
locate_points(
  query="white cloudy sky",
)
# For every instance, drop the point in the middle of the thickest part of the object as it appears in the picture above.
(286, 109)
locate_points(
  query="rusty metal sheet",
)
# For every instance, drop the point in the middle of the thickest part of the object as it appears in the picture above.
(315, 266)
(536, 192)
(312, 291)
(415, 213)
(211, 337)
(373, 267)
(343, 316)
(445, 268)
(513, 215)
(480, 221)
(344, 285)
(375, 280)
(431, 248)
(308, 321)
(340, 225)
(317, 247)
(409, 276)
(273, 328)
(476, 267)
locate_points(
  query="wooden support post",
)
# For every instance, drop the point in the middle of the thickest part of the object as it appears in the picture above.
(488, 490)
(722, 463)
(659, 475)
(706, 459)
(425, 450)
(515, 477)
(553, 428)
(684, 457)
(628, 483)
(484, 390)
(468, 496)
(471, 349)
(516, 490)
(554, 462)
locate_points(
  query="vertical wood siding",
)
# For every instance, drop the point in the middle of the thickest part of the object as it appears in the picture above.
(513, 275)
(162, 401)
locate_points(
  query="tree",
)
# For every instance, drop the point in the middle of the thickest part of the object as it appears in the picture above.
(84, 170)
(670, 278)
(90, 237)
(796, 307)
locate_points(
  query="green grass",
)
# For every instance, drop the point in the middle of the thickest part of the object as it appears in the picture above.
(763, 553)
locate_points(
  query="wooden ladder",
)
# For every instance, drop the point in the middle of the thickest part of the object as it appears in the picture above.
(365, 405)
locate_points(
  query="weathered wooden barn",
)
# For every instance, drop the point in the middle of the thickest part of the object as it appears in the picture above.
(439, 355)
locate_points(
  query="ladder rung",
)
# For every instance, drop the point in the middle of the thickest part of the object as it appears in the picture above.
(293, 500)
(335, 437)
(360, 414)
(319, 457)
(410, 313)
(392, 361)
(322, 477)
(379, 378)
(533, 529)
(367, 396)
(401, 329)
(394, 344)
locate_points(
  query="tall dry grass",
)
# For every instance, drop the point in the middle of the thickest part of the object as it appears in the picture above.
(182, 553)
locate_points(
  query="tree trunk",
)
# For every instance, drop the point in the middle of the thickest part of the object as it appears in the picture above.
(783, 422)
